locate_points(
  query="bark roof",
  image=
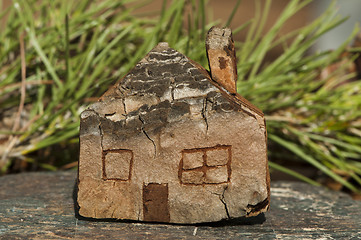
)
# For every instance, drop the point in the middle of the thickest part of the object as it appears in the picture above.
(164, 87)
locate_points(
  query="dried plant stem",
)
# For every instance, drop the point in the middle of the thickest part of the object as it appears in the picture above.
(13, 139)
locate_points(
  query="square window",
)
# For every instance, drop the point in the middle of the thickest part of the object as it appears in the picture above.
(117, 164)
(192, 177)
(209, 165)
(217, 157)
(217, 175)
(192, 160)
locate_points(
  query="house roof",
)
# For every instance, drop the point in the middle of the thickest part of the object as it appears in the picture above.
(162, 88)
(168, 74)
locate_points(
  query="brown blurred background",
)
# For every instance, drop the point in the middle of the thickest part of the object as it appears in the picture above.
(221, 10)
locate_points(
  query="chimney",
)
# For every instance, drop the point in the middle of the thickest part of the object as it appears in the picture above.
(222, 57)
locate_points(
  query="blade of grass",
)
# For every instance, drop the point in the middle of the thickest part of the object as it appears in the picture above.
(67, 56)
(231, 16)
(299, 152)
(293, 173)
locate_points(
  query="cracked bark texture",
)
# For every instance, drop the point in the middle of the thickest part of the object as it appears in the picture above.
(166, 105)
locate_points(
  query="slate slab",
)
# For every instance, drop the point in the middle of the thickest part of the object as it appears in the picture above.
(41, 206)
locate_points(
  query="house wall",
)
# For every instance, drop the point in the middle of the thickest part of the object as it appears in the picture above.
(248, 165)
(157, 158)
(99, 198)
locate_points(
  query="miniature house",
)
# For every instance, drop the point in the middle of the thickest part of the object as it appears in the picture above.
(168, 143)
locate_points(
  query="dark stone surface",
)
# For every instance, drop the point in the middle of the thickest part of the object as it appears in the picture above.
(41, 206)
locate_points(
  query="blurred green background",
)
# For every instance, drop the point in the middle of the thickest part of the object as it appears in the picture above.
(59, 56)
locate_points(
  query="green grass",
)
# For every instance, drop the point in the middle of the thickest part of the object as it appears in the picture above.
(75, 50)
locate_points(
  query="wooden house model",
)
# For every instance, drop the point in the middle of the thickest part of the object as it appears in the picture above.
(173, 143)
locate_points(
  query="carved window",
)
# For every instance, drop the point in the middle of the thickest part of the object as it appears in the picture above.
(117, 164)
(210, 165)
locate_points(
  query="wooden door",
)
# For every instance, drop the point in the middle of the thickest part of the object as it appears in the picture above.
(155, 202)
